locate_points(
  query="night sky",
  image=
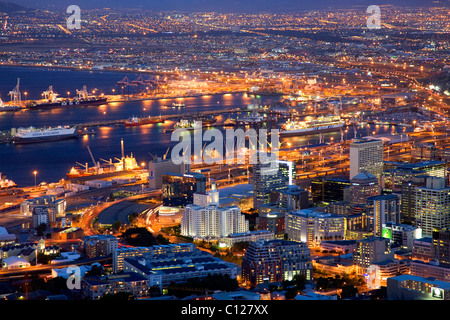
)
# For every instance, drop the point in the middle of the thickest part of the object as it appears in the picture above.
(225, 5)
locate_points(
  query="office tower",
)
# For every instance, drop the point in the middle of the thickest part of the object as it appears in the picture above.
(312, 226)
(273, 180)
(366, 155)
(292, 198)
(424, 152)
(271, 221)
(369, 251)
(205, 219)
(432, 206)
(329, 189)
(408, 203)
(440, 247)
(401, 234)
(178, 189)
(157, 167)
(362, 186)
(384, 209)
(393, 178)
(275, 260)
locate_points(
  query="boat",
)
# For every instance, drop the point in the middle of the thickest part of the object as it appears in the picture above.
(253, 118)
(51, 100)
(135, 121)
(178, 105)
(35, 135)
(207, 121)
(229, 122)
(6, 107)
(320, 124)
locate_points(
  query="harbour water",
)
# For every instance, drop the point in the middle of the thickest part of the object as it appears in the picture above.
(53, 159)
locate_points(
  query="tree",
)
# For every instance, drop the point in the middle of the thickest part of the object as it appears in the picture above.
(116, 225)
(348, 291)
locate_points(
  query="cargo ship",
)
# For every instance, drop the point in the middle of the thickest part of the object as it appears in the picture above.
(36, 135)
(51, 100)
(6, 107)
(134, 121)
(328, 123)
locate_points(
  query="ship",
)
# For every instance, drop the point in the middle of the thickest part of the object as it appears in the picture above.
(253, 118)
(8, 107)
(229, 122)
(327, 123)
(134, 121)
(36, 135)
(178, 105)
(51, 100)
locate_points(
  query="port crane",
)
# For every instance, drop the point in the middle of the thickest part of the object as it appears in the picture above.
(16, 97)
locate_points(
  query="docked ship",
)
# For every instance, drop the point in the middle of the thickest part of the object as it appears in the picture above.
(35, 135)
(134, 121)
(328, 123)
(9, 107)
(51, 100)
(253, 118)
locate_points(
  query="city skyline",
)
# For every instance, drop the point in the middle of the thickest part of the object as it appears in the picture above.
(206, 152)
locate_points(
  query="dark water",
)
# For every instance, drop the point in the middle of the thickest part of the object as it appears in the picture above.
(53, 159)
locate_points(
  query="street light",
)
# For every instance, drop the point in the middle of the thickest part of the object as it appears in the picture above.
(35, 173)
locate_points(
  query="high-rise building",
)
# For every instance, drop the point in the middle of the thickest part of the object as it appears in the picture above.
(362, 186)
(329, 189)
(178, 189)
(440, 247)
(261, 263)
(366, 155)
(157, 167)
(432, 206)
(267, 180)
(408, 203)
(275, 260)
(398, 173)
(312, 226)
(204, 219)
(293, 198)
(384, 209)
(402, 234)
(370, 251)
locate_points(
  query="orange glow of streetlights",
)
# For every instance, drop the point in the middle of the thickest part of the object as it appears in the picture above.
(35, 174)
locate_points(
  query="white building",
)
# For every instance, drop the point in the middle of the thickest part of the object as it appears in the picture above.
(311, 226)
(366, 155)
(205, 219)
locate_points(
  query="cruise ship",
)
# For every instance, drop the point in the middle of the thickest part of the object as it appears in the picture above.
(51, 100)
(320, 124)
(35, 135)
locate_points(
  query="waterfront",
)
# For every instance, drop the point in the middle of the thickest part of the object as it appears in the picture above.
(53, 159)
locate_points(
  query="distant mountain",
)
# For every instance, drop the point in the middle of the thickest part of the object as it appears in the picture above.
(8, 7)
(246, 6)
